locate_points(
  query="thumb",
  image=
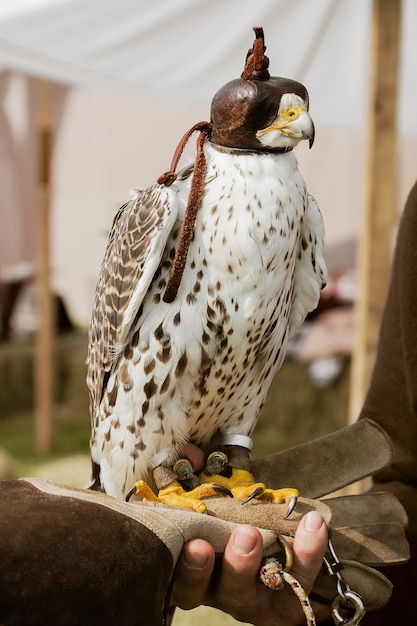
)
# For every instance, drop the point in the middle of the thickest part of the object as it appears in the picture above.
(310, 544)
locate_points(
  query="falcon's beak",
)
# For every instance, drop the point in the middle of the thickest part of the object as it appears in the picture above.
(294, 122)
(312, 135)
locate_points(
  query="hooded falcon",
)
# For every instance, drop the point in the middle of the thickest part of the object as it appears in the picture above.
(207, 275)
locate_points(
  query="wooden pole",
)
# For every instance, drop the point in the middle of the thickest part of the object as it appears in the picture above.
(380, 209)
(45, 334)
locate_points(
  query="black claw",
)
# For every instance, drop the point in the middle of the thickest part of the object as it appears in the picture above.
(224, 491)
(291, 506)
(131, 493)
(257, 492)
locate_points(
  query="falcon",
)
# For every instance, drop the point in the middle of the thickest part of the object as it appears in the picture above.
(207, 275)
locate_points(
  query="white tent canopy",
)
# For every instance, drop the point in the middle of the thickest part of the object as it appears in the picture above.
(183, 51)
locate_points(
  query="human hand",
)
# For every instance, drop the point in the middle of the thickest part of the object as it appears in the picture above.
(237, 589)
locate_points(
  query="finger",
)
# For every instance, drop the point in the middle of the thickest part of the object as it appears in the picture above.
(193, 573)
(195, 454)
(310, 544)
(240, 569)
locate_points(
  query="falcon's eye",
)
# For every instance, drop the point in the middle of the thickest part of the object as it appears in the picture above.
(292, 112)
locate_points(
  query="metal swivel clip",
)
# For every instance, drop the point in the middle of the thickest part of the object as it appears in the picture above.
(347, 600)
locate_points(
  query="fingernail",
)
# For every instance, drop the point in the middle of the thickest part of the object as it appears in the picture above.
(195, 559)
(244, 542)
(313, 521)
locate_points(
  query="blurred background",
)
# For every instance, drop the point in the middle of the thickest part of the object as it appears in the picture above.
(94, 97)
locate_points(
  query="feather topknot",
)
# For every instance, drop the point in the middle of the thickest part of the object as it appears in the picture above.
(257, 63)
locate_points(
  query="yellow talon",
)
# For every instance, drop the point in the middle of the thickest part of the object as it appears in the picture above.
(142, 489)
(279, 496)
(239, 478)
(174, 495)
(243, 486)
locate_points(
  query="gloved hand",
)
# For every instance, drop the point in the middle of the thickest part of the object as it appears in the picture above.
(73, 556)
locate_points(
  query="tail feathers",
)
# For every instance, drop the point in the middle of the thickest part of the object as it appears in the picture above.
(95, 483)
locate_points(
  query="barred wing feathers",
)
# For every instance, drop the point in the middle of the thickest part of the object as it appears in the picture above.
(136, 244)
